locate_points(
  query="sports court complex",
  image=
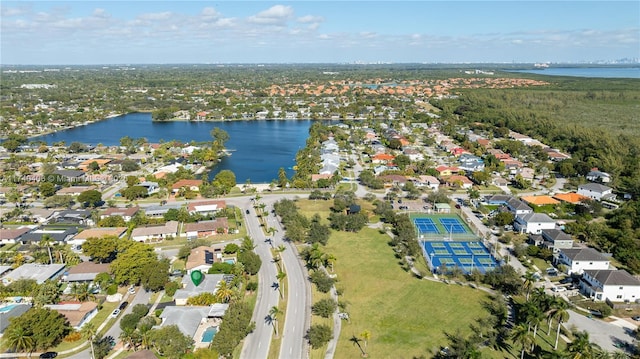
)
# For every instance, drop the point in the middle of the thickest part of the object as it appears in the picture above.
(448, 242)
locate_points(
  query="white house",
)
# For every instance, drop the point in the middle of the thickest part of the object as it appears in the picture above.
(427, 181)
(595, 175)
(517, 207)
(208, 285)
(533, 223)
(169, 229)
(594, 190)
(615, 285)
(578, 260)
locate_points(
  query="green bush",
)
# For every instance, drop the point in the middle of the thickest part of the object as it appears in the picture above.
(171, 287)
(112, 289)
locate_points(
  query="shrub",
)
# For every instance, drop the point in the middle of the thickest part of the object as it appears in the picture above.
(252, 286)
(324, 307)
(231, 248)
(221, 268)
(112, 289)
(158, 312)
(171, 287)
(319, 335)
(73, 337)
(140, 310)
(322, 281)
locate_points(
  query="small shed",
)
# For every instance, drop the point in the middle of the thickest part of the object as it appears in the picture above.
(443, 208)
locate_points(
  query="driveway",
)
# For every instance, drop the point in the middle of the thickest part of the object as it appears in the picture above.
(605, 334)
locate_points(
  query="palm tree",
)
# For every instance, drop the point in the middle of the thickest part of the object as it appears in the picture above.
(356, 341)
(274, 312)
(581, 347)
(329, 260)
(520, 334)
(561, 315)
(224, 293)
(366, 336)
(281, 275)
(19, 339)
(529, 279)
(47, 241)
(89, 332)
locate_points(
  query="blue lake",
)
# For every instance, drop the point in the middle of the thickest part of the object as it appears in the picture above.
(259, 148)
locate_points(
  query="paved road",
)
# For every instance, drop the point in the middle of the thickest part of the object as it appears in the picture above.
(256, 345)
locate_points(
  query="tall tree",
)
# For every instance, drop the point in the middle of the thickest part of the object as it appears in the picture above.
(89, 333)
(274, 313)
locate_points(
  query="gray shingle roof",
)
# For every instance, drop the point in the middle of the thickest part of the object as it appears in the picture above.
(584, 254)
(613, 277)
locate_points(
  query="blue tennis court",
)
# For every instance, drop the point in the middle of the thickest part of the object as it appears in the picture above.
(452, 225)
(425, 225)
(468, 256)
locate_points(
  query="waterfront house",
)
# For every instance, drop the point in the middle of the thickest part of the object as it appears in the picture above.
(578, 260)
(612, 285)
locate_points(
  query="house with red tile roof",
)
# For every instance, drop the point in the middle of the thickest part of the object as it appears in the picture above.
(382, 158)
(192, 185)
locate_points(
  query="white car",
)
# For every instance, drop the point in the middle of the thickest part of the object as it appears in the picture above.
(115, 313)
(559, 289)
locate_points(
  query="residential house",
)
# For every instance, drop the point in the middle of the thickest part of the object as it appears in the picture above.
(517, 207)
(533, 223)
(151, 187)
(76, 313)
(201, 258)
(160, 211)
(595, 191)
(85, 272)
(578, 260)
(80, 217)
(570, 197)
(498, 199)
(188, 319)
(206, 228)
(38, 272)
(208, 285)
(427, 181)
(471, 163)
(206, 207)
(539, 200)
(445, 171)
(125, 213)
(553, 239)
(394, 180)
(614, 285)
(9, 311)
(413, 154)
(56, 234)
(99, 232)
(155, 233)
(595, 175)
(69, 175)
(458, 181)
(74, 190)
(12, 235)
(382, 158)
(186, 184)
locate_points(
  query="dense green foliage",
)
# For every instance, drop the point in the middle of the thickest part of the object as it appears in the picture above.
(236, 324)
(45, 327)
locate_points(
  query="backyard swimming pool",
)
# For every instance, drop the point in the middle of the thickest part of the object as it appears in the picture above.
(209, 333)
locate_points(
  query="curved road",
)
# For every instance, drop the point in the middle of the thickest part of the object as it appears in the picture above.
(256, 345)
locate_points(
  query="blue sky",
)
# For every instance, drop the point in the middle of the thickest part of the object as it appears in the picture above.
(120, 32)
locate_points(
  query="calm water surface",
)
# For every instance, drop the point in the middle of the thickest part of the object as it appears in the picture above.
(259, 148)
(601, 72)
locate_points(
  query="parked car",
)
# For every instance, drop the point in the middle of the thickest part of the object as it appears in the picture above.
(123, 305)
(115, 313)
(559, 289)
(247, 212)
(49, 355)
(636, 318)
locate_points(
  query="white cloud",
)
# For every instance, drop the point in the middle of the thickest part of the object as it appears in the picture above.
(154, 16)
(13, 11)
(277, 15)
(308, 19)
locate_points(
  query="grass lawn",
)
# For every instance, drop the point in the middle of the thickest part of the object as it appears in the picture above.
(315, 319)
(406, 316)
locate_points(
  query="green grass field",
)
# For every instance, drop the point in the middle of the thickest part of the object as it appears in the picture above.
(406, 316)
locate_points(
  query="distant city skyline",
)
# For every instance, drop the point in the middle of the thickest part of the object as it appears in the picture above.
(168, 32)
